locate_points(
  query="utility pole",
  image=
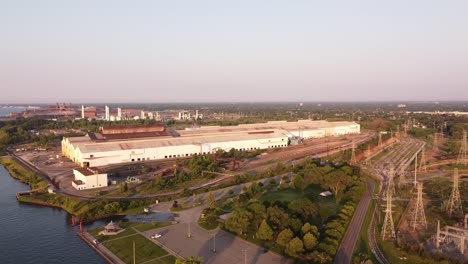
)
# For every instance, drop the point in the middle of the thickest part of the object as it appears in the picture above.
(419, 217)
(463, 149)
(422, 163)
(380, 140)
(245, 256)
(134, 257)
(353, 154)
(434, 145)
(415, 169)
(454, 205)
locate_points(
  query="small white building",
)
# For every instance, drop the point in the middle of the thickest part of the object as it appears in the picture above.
(89, 178)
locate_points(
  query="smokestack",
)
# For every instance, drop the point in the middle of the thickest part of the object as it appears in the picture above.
(82, 112)
(107, 113)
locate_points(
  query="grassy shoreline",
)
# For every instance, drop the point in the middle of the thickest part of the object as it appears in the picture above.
(86, 211)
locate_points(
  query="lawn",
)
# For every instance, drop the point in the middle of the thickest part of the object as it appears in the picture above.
(164, 260)
(145, 249)
(150, 226)
(327, 206)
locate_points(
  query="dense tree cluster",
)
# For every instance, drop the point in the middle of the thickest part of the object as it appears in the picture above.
(296, 227)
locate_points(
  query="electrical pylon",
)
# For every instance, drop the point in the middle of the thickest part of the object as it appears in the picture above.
(419, 217)
(422, 163)
(434, 145)
(454, 205)
(353, 154)
(463, 148)
(388, 229)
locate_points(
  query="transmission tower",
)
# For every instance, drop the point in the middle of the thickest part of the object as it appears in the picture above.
(454, 205)
(388, 229)
(422, 163)
(419, 217)
(463, 149)
(353, 154)
(434, 145)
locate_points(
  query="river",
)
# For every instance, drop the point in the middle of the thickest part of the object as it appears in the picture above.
(36, 234)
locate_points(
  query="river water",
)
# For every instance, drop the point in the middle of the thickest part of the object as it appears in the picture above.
(36, 234)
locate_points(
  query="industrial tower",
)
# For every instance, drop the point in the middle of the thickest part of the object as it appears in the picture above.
(463, 148)
(419, 217)
(388, 229)
(353, 154)
(454, 205)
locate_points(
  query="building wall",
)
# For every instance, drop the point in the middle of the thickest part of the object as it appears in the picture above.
(92, 181)
(168, 152)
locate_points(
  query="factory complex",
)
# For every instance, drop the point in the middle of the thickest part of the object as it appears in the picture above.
(113, 145)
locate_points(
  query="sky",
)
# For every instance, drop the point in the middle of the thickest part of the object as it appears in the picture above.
(232, 51)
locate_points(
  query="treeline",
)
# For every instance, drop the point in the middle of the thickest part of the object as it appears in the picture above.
(295, 228)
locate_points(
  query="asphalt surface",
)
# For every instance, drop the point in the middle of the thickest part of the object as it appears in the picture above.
(346, 249)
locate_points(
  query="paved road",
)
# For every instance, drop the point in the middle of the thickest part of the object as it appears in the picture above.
(346, 249)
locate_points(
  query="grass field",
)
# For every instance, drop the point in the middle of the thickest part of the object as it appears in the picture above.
(146, 250)
(326, 205)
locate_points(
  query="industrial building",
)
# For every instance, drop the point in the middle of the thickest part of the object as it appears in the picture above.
(114, 145)
(89, 178)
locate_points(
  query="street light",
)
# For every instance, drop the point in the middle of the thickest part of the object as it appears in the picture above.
(214, 243)
(189, 234)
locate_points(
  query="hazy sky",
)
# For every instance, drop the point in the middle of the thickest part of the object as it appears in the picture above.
(200, 51)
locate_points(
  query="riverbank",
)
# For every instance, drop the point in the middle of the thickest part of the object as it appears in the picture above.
(84, 210)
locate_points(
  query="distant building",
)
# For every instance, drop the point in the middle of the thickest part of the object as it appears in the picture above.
(89, 178)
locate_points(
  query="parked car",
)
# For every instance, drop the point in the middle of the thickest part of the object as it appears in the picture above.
(156, 236)
(95, 241)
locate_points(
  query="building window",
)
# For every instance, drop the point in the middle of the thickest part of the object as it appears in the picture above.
(91, 156)
(133, 159)
(165, 157)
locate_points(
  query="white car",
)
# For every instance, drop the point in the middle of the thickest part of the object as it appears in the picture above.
(156, 236)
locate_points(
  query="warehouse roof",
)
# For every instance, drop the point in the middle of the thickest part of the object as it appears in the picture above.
(92, 147)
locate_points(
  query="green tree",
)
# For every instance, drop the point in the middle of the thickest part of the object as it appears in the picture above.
(298, 183)
(284, 237)
(303, 208)
(239, 221)
(123, 187)
(190, 260)
(264, 231)
(210, 200)
(277, 218)
(294, 247)
(4, 138)
(306, 228)
(309, 241)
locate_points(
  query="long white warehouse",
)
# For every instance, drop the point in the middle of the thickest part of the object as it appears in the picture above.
(136, 143)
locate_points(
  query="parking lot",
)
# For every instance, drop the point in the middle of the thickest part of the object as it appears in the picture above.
(229, 248)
